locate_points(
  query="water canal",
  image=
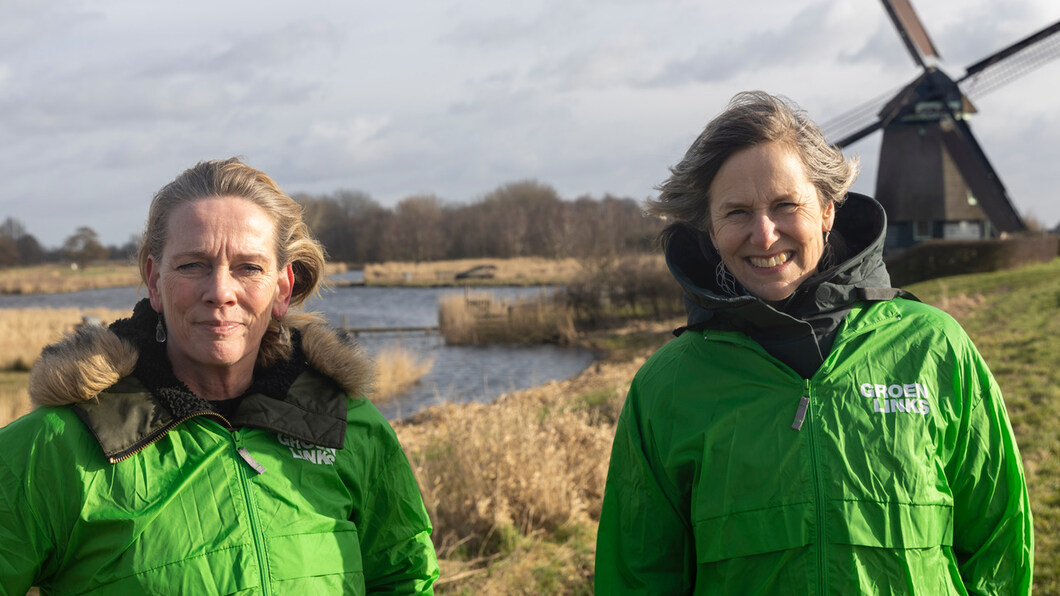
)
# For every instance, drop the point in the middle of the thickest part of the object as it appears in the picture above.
(459, 374)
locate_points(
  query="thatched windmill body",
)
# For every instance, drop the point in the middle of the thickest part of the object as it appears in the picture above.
(934, 179)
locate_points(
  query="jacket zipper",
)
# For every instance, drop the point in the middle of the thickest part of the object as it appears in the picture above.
(818, 491)
(252, 512)
(158, 434)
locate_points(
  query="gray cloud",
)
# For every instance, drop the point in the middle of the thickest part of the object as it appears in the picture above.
(721, 59)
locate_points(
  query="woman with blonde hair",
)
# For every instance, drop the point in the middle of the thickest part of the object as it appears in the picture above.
(216, 441)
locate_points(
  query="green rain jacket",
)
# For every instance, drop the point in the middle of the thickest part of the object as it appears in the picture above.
(146, 490)
(888, 467)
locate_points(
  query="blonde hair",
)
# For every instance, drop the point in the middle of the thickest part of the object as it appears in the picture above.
(751, 118)
(294, 243)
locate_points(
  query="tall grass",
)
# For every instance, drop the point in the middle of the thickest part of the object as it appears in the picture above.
(397, 369)
(518, 483)
(61, 278)
(14, 397)
(481, 318)
(523, 271)
(25, 331)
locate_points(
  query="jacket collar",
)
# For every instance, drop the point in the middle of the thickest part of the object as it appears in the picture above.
(800, 331)
(121, 385)
(858, 235)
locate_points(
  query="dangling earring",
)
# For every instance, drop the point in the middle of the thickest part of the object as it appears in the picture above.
(284, 332)
(725, 279)
(160, 330)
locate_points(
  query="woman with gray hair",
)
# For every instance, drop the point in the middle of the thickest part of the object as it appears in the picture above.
(217, 441)
(811, 430)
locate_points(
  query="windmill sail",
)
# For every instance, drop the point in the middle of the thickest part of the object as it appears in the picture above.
(1009, 63)
(914, 36)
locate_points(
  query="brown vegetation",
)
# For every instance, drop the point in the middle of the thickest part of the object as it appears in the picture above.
(514, 488)
(523, 271)
(397, 369)
(23, 334)
(480, 318)
(25, 331)
(50, 279)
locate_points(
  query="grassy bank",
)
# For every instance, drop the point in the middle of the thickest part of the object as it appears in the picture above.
(525, 271)
(56, 278)
(61, 278)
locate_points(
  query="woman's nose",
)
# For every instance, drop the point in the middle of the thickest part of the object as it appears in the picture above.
(763, 231)
(220, 287)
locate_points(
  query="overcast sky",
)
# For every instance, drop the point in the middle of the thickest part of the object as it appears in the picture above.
(103, 102)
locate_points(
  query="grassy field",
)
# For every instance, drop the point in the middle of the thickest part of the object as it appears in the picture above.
(56, 278)
(1012, 317)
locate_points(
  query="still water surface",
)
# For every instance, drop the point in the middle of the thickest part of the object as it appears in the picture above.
(459, 374)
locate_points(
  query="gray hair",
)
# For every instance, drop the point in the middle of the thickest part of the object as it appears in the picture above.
(751, 118)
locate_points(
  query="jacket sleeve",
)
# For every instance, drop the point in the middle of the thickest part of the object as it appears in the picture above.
(645, 543)
(395, 532)
(993, 532)
(23, 546)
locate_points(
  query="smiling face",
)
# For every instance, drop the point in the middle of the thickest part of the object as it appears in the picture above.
(767, 221)
(217, 284)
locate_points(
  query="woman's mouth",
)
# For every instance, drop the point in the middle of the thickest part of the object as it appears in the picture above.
(773, 261)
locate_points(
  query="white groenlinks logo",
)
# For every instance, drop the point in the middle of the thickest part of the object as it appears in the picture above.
(308, 451)
(911, 398)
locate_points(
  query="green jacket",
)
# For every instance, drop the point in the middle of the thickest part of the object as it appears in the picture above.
(891, 469)
(147, 490)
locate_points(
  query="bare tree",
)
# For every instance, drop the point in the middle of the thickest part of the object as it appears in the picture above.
(83, 247)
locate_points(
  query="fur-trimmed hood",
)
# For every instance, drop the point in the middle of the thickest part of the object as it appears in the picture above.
(93, 358)
(96, 364)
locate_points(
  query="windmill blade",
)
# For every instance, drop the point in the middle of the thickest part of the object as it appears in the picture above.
(912, 31)
(851, 126)
(979, 175)
(1014, 61)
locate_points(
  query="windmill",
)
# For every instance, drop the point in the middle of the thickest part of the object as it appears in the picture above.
(934, 180)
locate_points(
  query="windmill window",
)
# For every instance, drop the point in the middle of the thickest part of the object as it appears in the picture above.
(971, 199)
(922, 229)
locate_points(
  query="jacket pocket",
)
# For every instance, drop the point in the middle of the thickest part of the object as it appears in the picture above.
(890, 525)
(747, 533)
(317, 555)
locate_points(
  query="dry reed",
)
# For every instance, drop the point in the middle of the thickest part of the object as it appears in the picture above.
(480, 318)
(534, 461)
(517, 271)
(14, 397)
(397, 369)
(25, 331)
(46, 279)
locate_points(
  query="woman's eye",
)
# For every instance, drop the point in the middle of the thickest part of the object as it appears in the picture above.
(189, 267)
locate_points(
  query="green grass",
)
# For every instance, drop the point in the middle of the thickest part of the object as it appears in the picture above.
(1013, 321)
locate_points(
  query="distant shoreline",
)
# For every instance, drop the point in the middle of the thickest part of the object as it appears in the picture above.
(522, 272)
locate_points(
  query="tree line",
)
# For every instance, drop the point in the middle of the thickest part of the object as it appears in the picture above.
(20, 248)
(518, 219)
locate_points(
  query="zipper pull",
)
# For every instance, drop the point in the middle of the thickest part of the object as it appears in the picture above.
(800, 414)
(247, 457)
